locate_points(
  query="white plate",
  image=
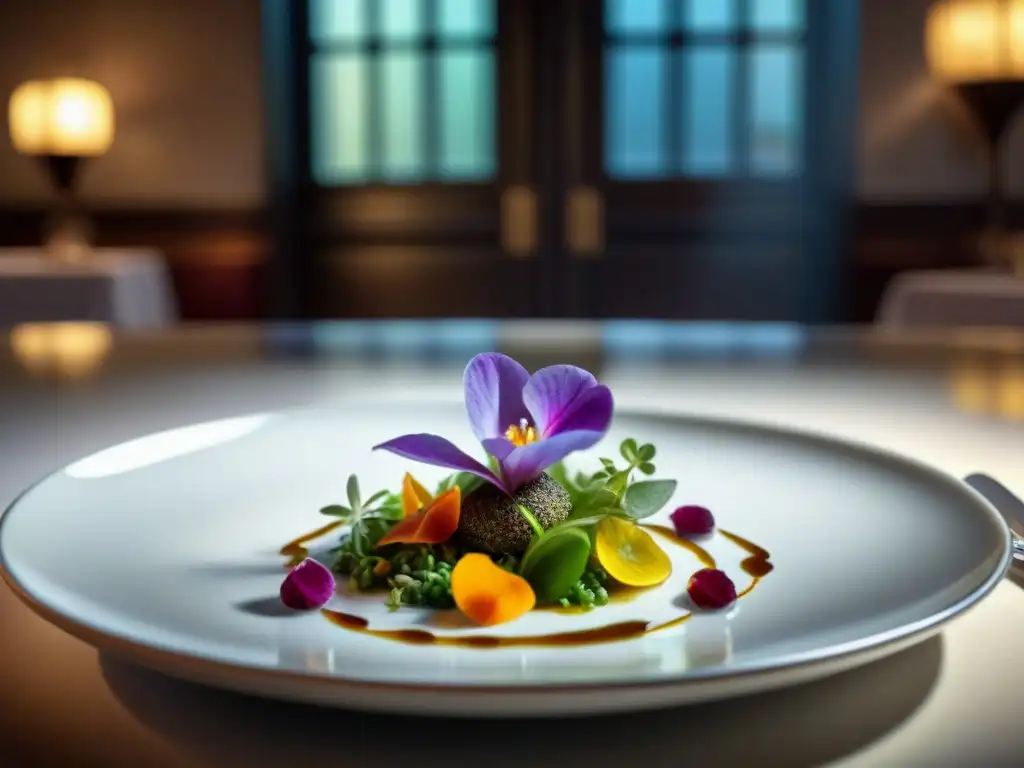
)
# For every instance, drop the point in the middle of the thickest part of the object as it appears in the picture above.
(165, 550)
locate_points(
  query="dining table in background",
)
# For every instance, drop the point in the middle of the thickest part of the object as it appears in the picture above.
(954, 400)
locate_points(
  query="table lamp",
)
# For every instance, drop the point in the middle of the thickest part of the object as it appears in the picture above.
(977, 48)
(63, 122)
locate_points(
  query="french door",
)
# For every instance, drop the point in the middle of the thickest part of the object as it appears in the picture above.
(496, 158)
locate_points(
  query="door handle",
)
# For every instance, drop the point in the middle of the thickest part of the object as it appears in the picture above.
(519, 222)
(584, 218)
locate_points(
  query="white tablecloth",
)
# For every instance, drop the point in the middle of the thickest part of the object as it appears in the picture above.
(953, 298)
(126, 288)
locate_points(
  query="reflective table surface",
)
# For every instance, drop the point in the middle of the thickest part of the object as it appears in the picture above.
(954, 400)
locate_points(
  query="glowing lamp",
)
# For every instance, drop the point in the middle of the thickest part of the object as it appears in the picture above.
(977, 48)
(62, 122)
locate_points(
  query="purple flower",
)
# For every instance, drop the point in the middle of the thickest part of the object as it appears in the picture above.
(527, 423)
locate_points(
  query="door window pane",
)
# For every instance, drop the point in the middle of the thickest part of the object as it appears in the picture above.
(402, 115)
(431, 110)
(635, 115)
(776, 77)
(777, 15)
(709, 15)
(466, 18)
(709, 77)
(623, 17)
(332, 21)
(400, 20)
(466, 82)
(339, 99)
(730, 104)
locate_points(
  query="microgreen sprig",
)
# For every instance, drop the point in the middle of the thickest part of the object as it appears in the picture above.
(370, 519)
(611, 491)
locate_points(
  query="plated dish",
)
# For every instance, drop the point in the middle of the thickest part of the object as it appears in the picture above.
(518, 533)
(183, 551)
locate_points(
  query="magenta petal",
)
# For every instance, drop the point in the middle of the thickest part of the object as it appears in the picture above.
(563, 398)
(435, 450)
(528, 461)
(711, 590)
(307, 586)
(692, 520)
(493, 386)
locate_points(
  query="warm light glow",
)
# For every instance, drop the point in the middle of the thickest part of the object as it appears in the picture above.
(990, 390)
(66, 116)
(72, 350)
(976, 40)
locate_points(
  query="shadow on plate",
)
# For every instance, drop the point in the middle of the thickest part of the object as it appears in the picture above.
(270, 607)
(808, 725)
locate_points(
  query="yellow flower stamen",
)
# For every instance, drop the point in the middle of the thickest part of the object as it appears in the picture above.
(521, 434)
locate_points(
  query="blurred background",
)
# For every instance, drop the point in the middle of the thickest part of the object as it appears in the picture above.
(763, 160)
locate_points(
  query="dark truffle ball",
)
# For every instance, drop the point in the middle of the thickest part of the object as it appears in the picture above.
(489, 521)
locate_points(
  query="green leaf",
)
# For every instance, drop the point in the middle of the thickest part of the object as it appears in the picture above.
(585, 502)
(392, 508)
(358, 538)
(595, 517)
(560, 475)
(583, 481)
(646, 452)
(467, 482)
(375, 498)
(628, 450)
(645, 498)
(646, 467)
(353, 493)
(608, 464)
(336, 510)
(373, 530)
(617, 483)
(554, 562)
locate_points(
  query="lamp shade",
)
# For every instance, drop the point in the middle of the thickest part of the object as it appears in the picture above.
(970, 41)
(62, 117)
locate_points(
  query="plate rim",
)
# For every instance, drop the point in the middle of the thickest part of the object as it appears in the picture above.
(203, 668)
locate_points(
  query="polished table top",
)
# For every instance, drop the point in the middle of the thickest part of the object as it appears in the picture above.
(955, 401)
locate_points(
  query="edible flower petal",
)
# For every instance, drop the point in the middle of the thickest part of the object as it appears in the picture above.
(691, 520)
(309, 585)
(527, 423)
(493, 389)
(629, 554)
(435, 450)
(434, 524)
(487, 593)
(564, 398)
(414, 495)
(526, 463)
(711, 589)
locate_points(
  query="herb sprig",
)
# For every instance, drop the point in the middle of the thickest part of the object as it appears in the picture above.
(612, 491)
(370, 519)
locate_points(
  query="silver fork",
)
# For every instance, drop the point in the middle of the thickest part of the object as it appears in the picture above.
(1006, 503)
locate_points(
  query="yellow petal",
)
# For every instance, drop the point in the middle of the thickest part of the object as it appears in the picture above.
(629, 554)
(414, 495)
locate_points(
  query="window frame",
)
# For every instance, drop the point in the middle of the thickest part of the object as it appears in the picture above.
(741, 39)
(430, 45)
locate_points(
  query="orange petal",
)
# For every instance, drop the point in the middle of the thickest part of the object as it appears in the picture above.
(434, 524)
(488, 594)
(414, 495)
